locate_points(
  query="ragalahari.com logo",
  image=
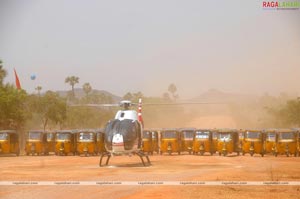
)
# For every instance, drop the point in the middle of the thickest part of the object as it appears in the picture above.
(281, 5)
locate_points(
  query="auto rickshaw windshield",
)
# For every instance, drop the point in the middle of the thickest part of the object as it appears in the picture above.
(34, 135)
(3, 136)
(85, 136)
(224, 136)
(188, 134)
(169, 134)
(271, 136)
(146, 134)
(253, 135)
(50, 136)
(202, 134)
(63, 136)
(286, 136)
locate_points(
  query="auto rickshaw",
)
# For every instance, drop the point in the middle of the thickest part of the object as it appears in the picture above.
(253, 142)
(35, 142)
(155, 139)
(147, 142)
(50, 142)
(286, 142)
(65, 142)
(86, 142)
(170, 141)
(270, 141)
(9, 142)
(202, 142)
(227, 141)
(100, 146)
(186, 140)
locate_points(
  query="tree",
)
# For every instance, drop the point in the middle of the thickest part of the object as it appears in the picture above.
(173, 89)
(87, 88)
(38, 89)
(3, 73)
(72, 80)
(50, 108)
(287, 115)
(13, 112)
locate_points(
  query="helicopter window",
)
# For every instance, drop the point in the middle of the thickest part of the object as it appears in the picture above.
(202, 135)
(286, 136)
(253, 135)
(34, 135)
(63, 136)
(3, 136)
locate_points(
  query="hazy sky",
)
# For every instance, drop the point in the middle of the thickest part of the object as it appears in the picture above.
(139, 45)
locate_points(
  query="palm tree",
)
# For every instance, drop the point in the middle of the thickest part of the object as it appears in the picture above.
(38, 88)
(72, 80)
(3, 73)
(87, 88)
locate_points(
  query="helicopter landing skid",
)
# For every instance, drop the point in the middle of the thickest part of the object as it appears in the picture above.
(140, 154)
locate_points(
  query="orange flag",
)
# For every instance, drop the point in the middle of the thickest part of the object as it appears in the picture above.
(18, 84)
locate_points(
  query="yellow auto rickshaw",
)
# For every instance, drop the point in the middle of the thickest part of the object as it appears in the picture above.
(202, 142)
(9, 142)
(100, 145)
(155, 139)
(253, 142)
(65, 142)
(35, 142)
(147, 142)
(286, 142)
(169, 141)
(50, 142)
(227, 141)
(186, 140)
(86, 142)
(270, 141)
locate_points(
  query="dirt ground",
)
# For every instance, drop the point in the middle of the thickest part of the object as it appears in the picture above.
(163, 168)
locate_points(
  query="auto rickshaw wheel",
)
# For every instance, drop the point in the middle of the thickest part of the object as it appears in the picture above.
(287, 154)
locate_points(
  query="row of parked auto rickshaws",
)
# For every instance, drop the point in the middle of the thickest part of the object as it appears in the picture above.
(64, 142)
(192, 141)
(223, 141)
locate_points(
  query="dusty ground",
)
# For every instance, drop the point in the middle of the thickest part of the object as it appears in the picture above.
(164, 168)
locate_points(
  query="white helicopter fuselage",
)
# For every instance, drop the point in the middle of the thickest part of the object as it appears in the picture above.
(118, 140)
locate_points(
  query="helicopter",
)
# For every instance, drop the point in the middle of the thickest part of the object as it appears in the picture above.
(123, 134)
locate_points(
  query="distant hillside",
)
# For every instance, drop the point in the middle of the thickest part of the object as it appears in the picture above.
(79, 93)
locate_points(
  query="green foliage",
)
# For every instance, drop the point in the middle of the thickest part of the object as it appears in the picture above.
(87, 88)
(87, 117)
(72, 80)
(287, 115)
(134, 97)
(49, 107)
(13, 112)
(3, 73)
(172, 89)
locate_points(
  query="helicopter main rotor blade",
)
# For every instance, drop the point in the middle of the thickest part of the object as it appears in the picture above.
(96, 105)
(181, 103)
